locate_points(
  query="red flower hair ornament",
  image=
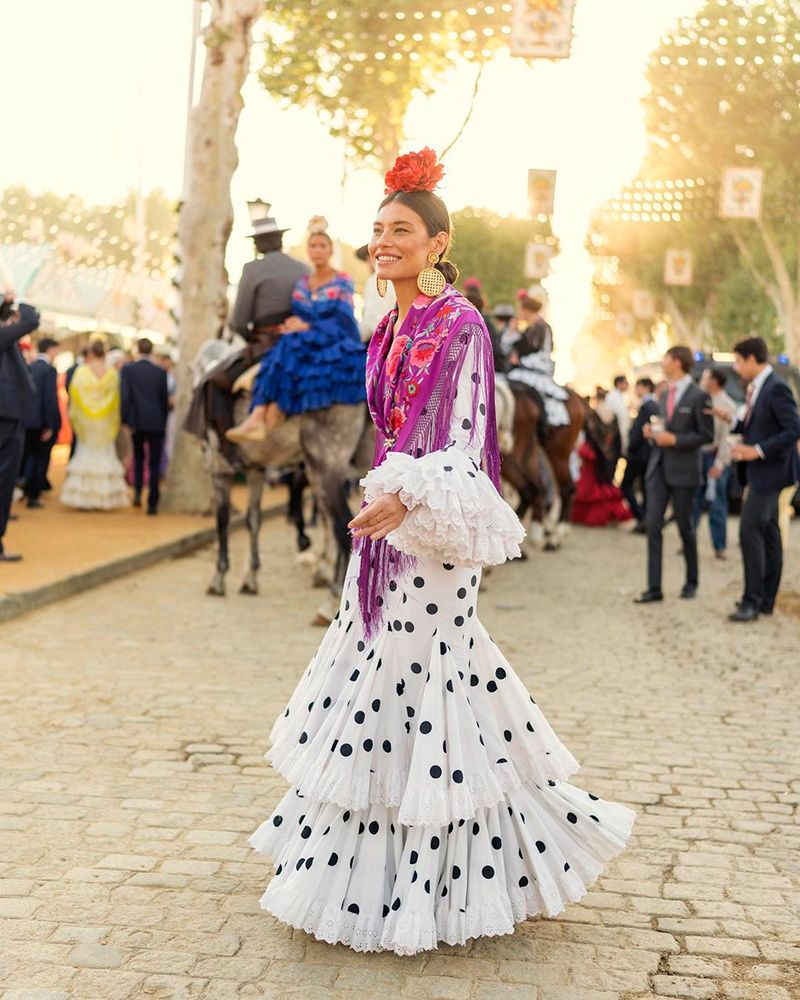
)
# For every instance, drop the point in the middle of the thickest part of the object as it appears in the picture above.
(415, 172)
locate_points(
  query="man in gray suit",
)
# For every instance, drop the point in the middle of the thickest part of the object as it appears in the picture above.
(264, 298)
(675, 470)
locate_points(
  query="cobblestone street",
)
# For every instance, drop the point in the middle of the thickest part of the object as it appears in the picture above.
(134, 722)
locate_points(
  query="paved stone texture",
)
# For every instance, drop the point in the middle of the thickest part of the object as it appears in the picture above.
(134, 719)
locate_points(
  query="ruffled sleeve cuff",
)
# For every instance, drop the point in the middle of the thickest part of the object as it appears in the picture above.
(455, 514)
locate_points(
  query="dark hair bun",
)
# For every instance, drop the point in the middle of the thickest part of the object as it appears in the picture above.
(449, 270)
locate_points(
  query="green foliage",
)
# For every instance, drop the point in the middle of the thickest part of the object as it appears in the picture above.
(723, 91)
(491, 247)
(740, 310)
(95, 235)
(359, 62)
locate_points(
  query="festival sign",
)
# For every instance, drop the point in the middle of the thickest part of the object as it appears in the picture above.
(740, 194)
(643, 304)
(537, 259)
(624, 324)
(541, 191)
(542, 29)
(678, 267)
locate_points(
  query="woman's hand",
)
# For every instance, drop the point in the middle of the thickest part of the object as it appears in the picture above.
(380, 517)
(294, 325)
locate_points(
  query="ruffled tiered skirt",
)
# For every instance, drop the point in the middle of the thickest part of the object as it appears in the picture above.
(312, 370)
(95, 479)
(429, 799)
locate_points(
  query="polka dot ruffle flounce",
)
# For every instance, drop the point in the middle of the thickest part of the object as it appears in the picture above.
(428, 800)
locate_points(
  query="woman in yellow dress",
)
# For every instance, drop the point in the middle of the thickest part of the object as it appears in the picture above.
(95, 477)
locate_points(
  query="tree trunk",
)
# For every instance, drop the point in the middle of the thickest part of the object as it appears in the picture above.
(204, 226)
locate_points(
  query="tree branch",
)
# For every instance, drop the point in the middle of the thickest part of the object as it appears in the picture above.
(469, 112)
(782, 275)
(768, 287)
(678, 318)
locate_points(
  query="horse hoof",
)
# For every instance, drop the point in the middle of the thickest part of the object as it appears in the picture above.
(550, 547)
(215, 592)
(248, 589)
(303, 543)
(321, 621)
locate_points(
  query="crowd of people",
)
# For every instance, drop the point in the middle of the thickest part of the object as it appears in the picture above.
(679, 452)
(671, 448)
(115, 421)
(433, 518)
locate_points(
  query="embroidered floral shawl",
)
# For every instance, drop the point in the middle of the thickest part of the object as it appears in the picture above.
(412, 379)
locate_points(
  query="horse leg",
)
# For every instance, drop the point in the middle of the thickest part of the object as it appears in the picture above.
(557, 527)
(329, 443)
(297, 485)
(255, 490)
(222, 483)
(567, 490)
(336, 515)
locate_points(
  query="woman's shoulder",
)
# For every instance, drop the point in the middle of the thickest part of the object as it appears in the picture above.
(345, 280)
(457, 309)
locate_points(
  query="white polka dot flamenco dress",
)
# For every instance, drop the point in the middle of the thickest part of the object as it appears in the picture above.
(429, 799)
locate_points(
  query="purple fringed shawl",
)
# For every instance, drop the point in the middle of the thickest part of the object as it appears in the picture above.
(412, 379)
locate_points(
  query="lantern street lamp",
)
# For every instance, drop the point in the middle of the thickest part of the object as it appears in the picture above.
(258, 209)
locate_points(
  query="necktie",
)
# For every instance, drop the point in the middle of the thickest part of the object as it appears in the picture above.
(671, 401)
(749, 400)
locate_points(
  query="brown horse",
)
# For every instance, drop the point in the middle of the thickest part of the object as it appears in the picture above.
(538, 465)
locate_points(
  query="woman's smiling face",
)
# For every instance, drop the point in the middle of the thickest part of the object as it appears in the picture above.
(400, 243)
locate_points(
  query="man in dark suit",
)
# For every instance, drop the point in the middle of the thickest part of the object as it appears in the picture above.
(675, 468)
(145, 407)
(16, 397)
(79, 360)
(43, 421)
(770, 429)
(639, 451)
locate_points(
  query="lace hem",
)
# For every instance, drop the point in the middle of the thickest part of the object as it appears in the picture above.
(455, 513)
(528, 878)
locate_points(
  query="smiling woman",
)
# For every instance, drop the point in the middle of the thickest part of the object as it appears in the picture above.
(429, 799)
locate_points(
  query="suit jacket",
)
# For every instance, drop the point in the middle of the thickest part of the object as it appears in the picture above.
(682, 465)
(265, 291)
(44, 413)
(16, 386)
(639, 447)
(144, 396)
(774, 425)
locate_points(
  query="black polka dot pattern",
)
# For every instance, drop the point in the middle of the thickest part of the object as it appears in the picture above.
(386, 705)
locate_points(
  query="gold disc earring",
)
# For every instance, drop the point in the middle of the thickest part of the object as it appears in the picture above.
(383, 286)
(430, 281)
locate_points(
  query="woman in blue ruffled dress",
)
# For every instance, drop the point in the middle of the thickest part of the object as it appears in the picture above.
(319, 360)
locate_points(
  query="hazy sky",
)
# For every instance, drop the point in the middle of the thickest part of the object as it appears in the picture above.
(94, 96)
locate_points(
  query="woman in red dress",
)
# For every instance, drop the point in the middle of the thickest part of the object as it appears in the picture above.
(597, 500)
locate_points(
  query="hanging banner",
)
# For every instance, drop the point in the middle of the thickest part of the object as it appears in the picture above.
(537, 260)
(740, 193)
(678, 267)
(643, 304)
(542, 29)
(541, 191)
(624, 324)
